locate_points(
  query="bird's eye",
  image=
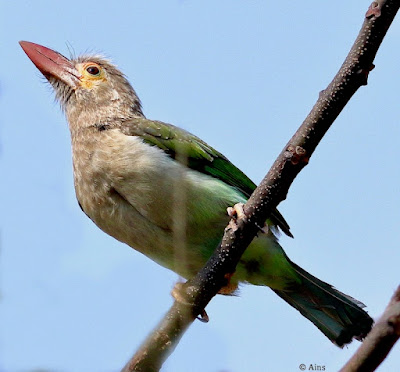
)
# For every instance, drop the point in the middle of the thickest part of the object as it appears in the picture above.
(93, 70)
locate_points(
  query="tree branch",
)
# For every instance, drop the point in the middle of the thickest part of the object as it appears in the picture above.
(379, 341)
(195, 294)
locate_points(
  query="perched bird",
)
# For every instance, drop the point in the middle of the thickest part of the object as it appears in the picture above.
(165, 192)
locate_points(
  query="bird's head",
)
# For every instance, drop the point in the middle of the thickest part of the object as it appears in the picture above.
(89, 88)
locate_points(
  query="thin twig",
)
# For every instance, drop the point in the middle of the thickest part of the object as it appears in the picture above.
(197, 292)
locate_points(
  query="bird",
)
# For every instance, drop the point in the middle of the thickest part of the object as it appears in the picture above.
(165, 192)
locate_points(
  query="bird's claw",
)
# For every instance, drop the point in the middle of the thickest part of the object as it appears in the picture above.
(237, 211)
(203, 317)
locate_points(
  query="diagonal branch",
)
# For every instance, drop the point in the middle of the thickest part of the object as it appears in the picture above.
(379, 341)
(197, 292)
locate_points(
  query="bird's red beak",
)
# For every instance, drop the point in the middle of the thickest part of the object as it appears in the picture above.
(51, 63)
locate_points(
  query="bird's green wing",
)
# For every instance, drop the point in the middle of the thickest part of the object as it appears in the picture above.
(196, 154)
(190, 151)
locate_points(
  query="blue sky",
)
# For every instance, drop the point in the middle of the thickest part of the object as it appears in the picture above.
(242, 75)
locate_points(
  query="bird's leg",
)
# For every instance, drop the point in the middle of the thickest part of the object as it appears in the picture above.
(230, 288)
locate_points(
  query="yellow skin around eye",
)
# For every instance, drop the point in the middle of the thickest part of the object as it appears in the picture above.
(89, 81)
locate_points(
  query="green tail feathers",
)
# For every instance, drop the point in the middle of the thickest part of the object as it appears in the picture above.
(338, 316)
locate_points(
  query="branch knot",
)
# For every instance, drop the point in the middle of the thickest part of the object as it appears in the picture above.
(374, 10)
(296, 154)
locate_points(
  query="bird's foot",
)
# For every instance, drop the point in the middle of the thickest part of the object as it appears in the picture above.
(237, 212)
(179, 293)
